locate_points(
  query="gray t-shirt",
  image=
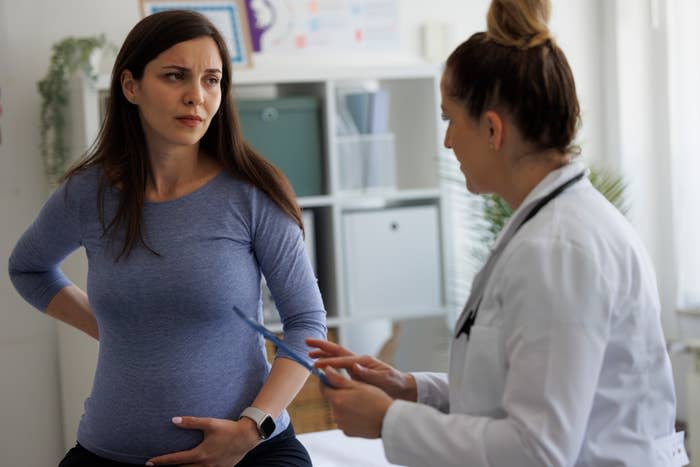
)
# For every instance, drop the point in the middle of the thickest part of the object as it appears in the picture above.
(170, 344)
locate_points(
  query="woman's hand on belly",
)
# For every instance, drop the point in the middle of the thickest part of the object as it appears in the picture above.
(225, 443)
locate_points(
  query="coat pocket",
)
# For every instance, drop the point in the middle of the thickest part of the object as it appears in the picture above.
(670, 450)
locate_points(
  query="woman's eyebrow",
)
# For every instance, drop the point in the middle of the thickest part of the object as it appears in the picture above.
(185, 69)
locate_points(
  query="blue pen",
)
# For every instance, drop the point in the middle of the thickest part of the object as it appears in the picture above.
(269, 335)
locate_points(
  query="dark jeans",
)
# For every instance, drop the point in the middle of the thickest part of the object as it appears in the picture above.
(284, 450)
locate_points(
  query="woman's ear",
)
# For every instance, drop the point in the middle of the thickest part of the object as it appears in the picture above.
(494, 124)
(129, 85)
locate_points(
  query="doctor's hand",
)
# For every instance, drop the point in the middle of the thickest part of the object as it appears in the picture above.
(397, 384)
(357, 408)
(225, 443)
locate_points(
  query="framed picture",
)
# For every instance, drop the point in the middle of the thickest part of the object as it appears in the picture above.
(280, 27)
(229, 17)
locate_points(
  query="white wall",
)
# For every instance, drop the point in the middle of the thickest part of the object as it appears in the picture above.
(643, 135)
(31, 434)
(640, 136)
(29, 396)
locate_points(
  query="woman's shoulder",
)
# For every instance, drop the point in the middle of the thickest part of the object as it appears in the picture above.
(85, 179)
(231, 189)
(580, 215)
(584, 224)
(249, 202)
(238, 190)
(81, 185)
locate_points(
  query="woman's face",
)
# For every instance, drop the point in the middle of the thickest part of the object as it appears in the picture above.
(178, 94)
(469, 140)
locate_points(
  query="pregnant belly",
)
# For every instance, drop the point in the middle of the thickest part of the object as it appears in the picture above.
(129, 437)
(128, 417)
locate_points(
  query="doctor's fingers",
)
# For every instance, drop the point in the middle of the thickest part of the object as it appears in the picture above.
(364, 368)
(350, 362)
(357, 408)
(336, 362)
(320, 354)
(327, 349)
(339, 383)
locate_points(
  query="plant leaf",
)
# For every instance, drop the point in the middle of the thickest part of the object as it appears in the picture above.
(68, 55)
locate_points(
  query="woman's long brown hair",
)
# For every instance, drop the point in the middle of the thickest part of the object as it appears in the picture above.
(120, 149)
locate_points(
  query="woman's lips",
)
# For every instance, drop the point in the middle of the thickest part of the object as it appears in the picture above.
(190, 121)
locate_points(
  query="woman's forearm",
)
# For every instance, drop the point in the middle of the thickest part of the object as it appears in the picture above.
(285, 380)
(71, 306)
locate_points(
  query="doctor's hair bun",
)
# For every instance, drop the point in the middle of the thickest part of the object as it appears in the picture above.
(519, 23)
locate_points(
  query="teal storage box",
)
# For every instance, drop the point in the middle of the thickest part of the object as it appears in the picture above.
(287, 132)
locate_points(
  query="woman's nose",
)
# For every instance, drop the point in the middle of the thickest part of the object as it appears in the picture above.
(195, 95)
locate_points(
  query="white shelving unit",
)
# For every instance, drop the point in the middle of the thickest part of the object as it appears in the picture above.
(416, 129)
(414, 123)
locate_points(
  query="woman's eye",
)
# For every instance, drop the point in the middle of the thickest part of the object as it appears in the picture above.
(213, 81)
(444, 118)
(174, 76)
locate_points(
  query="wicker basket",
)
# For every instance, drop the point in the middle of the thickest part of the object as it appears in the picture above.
(309, 411)
(311, 416)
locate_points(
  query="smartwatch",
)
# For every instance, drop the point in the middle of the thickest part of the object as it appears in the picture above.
(264, 421)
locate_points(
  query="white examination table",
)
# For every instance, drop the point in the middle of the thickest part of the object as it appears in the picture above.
(333, 449)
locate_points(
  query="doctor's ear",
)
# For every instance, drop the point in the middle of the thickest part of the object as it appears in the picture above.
(494, 123)
(129, 85)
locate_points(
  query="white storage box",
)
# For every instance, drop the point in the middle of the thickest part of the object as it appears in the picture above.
(367, 162)
(392, 261)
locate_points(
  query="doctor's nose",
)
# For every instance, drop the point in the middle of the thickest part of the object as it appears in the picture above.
(446, 141)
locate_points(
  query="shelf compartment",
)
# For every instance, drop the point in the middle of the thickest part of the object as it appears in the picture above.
(367, 163)
(392, 261)
(358, 201)
(287, 131)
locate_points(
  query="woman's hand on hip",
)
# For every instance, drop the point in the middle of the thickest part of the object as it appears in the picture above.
(358, 408)
(225, 443)
(395, 383)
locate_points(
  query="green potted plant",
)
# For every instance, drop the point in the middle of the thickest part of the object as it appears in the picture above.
(69, 55)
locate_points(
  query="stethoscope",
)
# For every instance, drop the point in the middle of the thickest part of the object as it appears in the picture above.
(472, 307)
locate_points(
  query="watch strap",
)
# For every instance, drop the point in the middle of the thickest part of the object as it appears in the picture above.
(262, 420)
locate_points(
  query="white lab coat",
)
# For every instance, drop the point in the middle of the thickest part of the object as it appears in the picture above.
(566, 364)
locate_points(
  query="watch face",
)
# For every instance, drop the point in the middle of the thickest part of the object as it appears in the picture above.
(267, 426)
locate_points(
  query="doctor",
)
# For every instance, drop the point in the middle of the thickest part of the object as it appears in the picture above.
(558, 358)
